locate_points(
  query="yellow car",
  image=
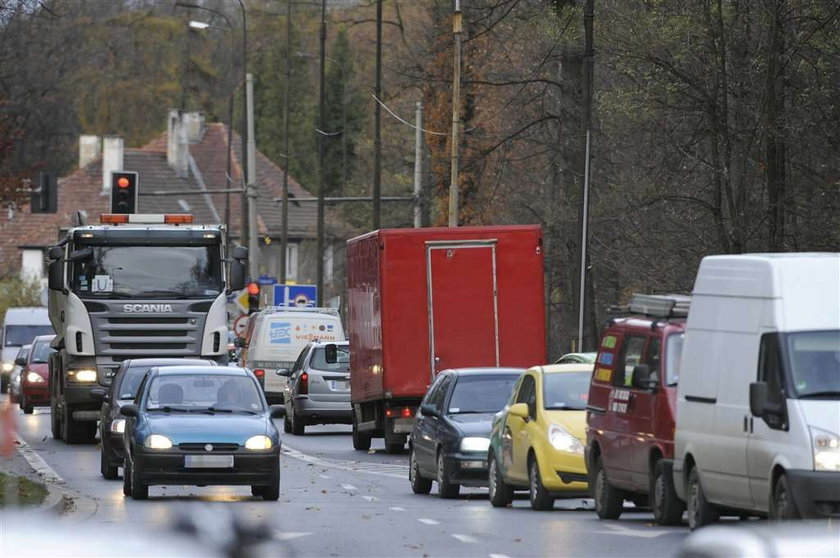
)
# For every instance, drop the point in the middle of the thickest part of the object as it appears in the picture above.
(537, 440)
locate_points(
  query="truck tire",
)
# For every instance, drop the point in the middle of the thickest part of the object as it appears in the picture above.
(501, 493)
(55, 421)
(540, 498)
(419, 483)
(700, 511)
(77, 431)
(361, 440)
(608, 499)
(783, 507)
(667, 507)
(446, 489)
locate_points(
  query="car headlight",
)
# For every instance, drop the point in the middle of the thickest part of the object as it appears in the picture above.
(258, 443)
(118, 427)
(561, 440)
(34, 378)
(475, 444)
(85, 375)
(7, 366)
(826, 450)
(157, 441)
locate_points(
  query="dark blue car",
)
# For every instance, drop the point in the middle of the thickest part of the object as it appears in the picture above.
(201, 425)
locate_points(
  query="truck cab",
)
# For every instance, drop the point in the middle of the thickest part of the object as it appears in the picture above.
(632, 407)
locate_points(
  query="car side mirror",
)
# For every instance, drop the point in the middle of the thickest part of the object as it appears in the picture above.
(283, 372)
(55, 275)
(130, 410)
(644, 377)
(758, 398)
(278, 411)
(519, 410)
(98, 393)
(20, 361)
(428, 410)
(331, 353)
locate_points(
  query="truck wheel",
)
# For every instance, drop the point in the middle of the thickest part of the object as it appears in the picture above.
(501, 494)
(446, 489)
(608, 499)
(700, 511)
(361, 440)
(55, 421)
(783, 507)
(419, 483)
(667, 508)
(77, 431)
(540, 498)
(272, 491)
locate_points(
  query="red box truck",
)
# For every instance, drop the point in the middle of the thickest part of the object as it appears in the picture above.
(424, 300)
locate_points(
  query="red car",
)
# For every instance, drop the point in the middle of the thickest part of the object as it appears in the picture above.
(35, 377)
(631, 409)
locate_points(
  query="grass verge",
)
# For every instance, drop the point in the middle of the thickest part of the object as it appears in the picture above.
(20, 491)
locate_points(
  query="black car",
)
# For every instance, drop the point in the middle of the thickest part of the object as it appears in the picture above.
(201, 425)
(123, 388)
(452, 428)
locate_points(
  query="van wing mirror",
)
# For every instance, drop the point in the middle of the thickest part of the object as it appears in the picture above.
(758, 398)
(331, 353)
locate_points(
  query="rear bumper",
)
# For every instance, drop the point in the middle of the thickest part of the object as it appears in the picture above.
(816, 493)
(324, 411)
(168, 468)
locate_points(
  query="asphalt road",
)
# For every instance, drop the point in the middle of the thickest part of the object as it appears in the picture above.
(339, 502)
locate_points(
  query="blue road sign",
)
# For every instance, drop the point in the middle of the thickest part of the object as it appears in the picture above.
(266, 280)
(296, 295)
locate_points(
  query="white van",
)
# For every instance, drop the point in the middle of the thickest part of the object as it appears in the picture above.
(276, 336)
(20, 327)
(758, 403)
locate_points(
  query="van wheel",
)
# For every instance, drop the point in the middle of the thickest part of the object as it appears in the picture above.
(501, 493)
(361, 440)
(608, 499)
(419, 483)
(541, 500)
(667, 508)
(700, 511)
(446, 489)
(783, 507)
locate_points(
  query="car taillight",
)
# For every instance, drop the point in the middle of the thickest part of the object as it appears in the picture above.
(406, 412)
(303, 384)
(259, 373)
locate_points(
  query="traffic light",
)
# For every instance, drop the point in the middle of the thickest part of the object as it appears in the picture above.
(253, 298)
(123, 192)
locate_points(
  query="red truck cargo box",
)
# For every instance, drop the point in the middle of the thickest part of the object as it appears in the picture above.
(423, 300)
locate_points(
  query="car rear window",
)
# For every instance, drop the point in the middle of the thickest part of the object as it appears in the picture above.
(342, 364)
(481, 394)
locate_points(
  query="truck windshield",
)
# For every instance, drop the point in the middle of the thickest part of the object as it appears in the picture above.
(673, 352)
(155, 272)
(17, 335)
(814, 358)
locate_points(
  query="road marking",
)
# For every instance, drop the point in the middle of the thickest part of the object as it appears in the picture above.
(465, 538)
(498, 556)
(282, 536)
(348, 487)
(325, 476)
(37, 462)
(626, 531)
(370, 498)
(392, 470)
(428, 521)
(396, 508)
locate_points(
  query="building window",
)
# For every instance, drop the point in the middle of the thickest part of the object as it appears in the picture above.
(32, 264)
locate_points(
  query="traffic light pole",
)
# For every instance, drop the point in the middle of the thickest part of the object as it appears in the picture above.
(251, 187)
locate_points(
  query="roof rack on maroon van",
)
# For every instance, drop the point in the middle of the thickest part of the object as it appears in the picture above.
(654, 306)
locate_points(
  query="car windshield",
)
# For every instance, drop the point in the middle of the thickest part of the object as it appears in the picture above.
(566, 391)
(342, 364)
(210, 393)
(814, 358)
(41, 352)
(17, 335)
(673, 352)
(481, 394)
(162, 272)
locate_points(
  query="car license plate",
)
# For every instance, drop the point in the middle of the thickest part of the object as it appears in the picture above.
(208, 461)
(339, 384)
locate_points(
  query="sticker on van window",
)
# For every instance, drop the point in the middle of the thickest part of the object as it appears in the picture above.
(280, 333)
(603, 374)
(606, 359)
(609, 342)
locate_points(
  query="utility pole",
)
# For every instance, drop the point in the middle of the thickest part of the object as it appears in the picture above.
(456, 116)
(246, 226)
(377, 117)
(251, 186)
(418, 167)
(321, 184)
(284, 235)
(588, 74)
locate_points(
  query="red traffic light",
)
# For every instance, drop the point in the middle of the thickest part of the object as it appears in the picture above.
(123, 182)
(253, 289)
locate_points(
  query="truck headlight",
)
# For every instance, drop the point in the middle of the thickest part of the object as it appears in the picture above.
(826, 450)
(157, 441)
(7, 366)
(118, 426)
(85, 375)
(476, 443)
(34, 378)
(561, 440)
(258, 443)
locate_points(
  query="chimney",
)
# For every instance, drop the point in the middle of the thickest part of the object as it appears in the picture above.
(194, 124)
(89, 147)
(177, 154)
(112, 159)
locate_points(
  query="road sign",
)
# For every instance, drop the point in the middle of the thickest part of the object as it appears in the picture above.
(296, 295)
(240, 325)
(266, 280)
(241, 300)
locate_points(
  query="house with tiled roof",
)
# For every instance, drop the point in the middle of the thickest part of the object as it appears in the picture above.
(181, 171)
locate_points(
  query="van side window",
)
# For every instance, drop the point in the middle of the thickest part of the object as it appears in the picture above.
(653, 357)
(770, 369)
(629, 356)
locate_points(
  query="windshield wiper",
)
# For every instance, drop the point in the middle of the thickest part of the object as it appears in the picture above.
(168, 409)
(820, 394)
(472, 412)
(216, 410)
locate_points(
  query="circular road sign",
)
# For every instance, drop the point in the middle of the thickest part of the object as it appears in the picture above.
(240, 324)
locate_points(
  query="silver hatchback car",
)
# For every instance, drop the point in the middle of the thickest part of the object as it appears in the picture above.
(318, 390)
